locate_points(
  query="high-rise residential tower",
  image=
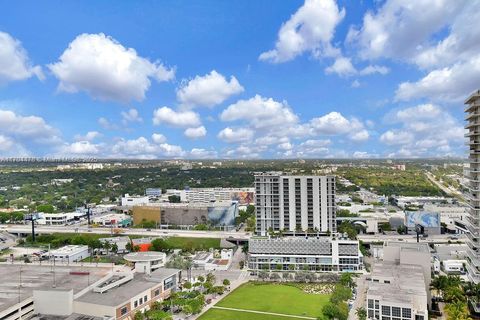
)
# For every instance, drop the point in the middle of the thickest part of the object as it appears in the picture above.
(294, 203)
(473, 217)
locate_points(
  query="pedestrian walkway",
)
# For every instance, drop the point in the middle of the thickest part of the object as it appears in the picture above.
(243, 277)
(263, 312)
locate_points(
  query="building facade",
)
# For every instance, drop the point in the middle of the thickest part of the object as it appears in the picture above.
(473, 177)
(294, 203)
(310, 254)
(130, 201)
(69, 254)
(187, 214)
(118, 296)
(396, 292)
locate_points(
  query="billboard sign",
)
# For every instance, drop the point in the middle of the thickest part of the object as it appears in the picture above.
(425, 219)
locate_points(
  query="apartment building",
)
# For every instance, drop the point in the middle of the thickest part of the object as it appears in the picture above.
(320, 254)
(294, 203)
(473, 185)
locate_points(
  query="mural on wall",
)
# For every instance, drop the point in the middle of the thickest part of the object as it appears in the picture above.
(425, 219)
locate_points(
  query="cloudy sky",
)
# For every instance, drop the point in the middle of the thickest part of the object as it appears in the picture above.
(237, 79)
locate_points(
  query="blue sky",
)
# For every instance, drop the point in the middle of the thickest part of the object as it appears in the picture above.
(236, 79)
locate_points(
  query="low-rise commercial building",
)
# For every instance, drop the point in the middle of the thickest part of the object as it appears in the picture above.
(68, 254)
(59, 219)
(120, 242)
(120, 220)
(397, 292)
(185, 214)
(213, 260)
(17, 283)
(295, 253)
(398, 287)
(130, 201)
(117, 296)
(146, 262)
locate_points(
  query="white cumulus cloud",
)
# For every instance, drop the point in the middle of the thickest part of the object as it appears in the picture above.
(208, 90)
(158, 138)
(14, 62)
(310, 29)
(195, 133)
(100, 66)
(181, 119)
(89, 136)
(131, 115)
(235, 135)
(260, 112)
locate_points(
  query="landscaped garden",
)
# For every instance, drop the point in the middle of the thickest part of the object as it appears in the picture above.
(268, 297)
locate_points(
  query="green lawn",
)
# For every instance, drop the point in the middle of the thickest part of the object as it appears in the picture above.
(60, 239)
(219, 314)
(276, 298)
(195, 243)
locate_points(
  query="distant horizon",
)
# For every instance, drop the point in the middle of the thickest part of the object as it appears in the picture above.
(86, 160)
(237, 79)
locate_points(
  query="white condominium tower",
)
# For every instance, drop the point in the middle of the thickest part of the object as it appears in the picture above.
(473, 218)
(294, 203)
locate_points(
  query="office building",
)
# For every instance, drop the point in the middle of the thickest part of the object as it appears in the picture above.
(294, 203)
(473, 185)
(153, 192)
(295, 253)
(244, 196)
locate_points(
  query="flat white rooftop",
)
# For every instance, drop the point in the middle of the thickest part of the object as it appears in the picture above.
(145, 256)
(70, 249)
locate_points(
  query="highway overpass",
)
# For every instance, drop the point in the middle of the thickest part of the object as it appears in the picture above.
(26, 229)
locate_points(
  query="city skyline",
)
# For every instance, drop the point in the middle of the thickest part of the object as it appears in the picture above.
(313, 79)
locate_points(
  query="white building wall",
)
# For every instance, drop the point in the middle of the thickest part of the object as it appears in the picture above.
(55, 302)
(95, 310)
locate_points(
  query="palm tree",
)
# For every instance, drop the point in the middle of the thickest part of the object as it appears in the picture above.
(114, 248)
(107, 246)
(457, 311)
(361, 313)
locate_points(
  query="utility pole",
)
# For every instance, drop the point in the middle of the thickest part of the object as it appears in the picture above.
(32, 217)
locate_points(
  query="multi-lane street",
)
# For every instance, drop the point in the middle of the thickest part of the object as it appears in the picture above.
(26, 229)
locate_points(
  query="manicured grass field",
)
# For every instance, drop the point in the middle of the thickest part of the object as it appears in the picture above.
(195, 243)
(218, 314)
(276, 298)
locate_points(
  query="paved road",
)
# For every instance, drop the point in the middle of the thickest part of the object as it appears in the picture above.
(361, 297)
(447, 190)
(9, 240)
(442, 238)
(132, 231)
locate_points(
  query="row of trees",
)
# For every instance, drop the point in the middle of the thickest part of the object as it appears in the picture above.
(456, 294)
(337, 308)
